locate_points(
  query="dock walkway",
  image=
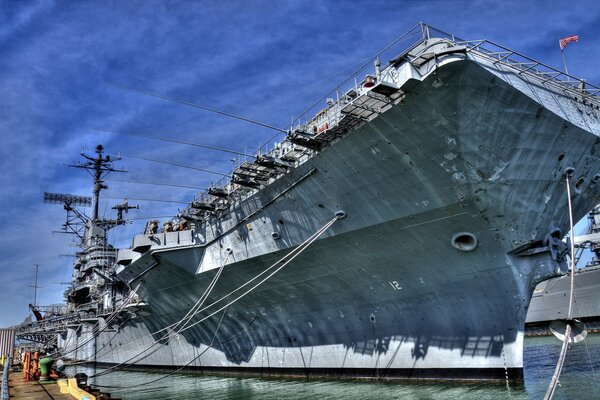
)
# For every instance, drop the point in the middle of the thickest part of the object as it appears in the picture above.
(21, 389)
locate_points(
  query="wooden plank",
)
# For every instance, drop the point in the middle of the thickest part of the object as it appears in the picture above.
(19, 388)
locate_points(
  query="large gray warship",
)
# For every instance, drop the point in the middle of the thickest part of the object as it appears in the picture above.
(398, 231)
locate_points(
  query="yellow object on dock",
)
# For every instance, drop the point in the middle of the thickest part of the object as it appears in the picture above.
(69, 386)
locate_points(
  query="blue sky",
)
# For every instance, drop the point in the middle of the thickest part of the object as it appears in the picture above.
(268, 60)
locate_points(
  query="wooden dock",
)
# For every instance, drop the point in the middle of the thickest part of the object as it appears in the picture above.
(19, 388)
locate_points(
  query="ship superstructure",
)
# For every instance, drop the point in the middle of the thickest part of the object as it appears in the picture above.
(94, 290)
(398, 231)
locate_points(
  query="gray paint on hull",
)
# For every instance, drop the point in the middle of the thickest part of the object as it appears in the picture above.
(469, 154)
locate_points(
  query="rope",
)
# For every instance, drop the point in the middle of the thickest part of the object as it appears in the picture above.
(204, 146)
(156, 184)
(313, 170)
(175, 165)
(297, 251)
(243, 220)
(290, 256)
(587, 350)
(175, 371)
(95, 356)
(150, 200)
(563, 352)
(171, 328)
(188, 103)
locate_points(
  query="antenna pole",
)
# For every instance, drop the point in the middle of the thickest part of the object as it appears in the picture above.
(35, 286)
(101, 166)
(98, 186)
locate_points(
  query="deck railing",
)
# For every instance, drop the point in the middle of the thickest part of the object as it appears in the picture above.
(499, 54)
(324, 109)
(402, 45)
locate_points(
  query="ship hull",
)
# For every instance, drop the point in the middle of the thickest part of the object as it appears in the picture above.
(383, 293)
(369, 315)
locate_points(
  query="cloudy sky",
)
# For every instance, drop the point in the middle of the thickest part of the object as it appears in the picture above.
(61, 63)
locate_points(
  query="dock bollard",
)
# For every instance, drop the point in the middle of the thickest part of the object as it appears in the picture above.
(45, 365)
(27, 366)
(35, 366)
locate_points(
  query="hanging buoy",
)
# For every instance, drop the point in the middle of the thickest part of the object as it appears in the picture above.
(578, 331)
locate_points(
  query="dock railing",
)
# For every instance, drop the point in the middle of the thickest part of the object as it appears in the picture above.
(4, 392)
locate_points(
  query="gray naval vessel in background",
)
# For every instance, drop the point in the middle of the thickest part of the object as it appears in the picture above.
(548, 300)
(398, 231)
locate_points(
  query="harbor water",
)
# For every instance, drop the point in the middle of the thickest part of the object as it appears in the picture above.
(580, 379)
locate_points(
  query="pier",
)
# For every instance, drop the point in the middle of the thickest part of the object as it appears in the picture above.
(26, 381)
(19, 388)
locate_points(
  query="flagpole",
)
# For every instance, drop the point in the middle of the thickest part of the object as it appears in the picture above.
(564, 61)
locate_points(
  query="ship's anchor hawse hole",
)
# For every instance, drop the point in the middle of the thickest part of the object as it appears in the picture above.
(464, 241)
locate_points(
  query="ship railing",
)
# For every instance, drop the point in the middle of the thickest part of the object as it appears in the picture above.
(81, 285)
(47, 325)
(354, 81)
(53, 309)
(325, 113)
(545, 74)
(90, 306)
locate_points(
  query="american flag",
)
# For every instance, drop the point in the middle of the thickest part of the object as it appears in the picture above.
(565, 41)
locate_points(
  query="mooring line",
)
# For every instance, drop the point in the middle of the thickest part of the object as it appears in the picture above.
(563, 352)
(587, 350)
(172, 372)
(291, 256)
(172, 329)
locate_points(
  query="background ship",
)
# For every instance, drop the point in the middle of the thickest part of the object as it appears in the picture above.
(548, 300)
(399, 232)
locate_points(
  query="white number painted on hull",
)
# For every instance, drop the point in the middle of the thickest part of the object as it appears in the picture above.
(395, 285)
